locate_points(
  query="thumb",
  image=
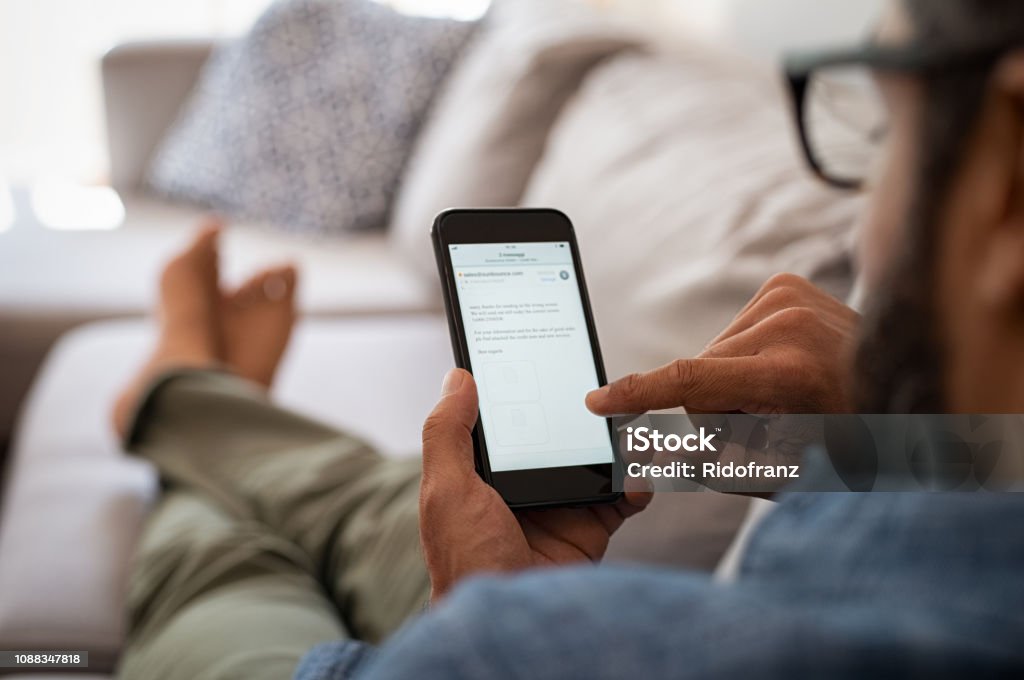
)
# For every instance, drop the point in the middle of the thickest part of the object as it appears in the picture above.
(447, 438)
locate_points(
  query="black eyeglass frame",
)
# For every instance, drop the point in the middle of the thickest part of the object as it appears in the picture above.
(799, 67)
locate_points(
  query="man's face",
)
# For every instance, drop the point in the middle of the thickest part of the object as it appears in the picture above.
(945, 273)
(897, 368)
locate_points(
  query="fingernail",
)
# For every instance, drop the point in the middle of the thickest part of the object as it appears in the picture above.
(600, 392)
(452, 381)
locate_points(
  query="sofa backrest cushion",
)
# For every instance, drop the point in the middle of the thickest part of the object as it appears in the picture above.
(145, 85)
(682, 176)
(307, 121)
(487, 130)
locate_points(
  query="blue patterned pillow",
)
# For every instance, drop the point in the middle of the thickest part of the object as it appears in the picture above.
(307, 121)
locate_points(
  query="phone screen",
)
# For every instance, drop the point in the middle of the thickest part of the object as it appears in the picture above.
(530, 353)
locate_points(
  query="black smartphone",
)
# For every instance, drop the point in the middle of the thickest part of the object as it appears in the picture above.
(521, 323)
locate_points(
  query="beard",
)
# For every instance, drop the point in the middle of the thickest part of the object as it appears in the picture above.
(898, 364)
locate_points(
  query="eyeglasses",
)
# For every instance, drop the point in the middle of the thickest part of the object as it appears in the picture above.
(841, 116)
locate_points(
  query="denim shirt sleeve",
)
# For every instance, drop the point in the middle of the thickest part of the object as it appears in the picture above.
(338, 660)
(853, 586)
(611, 624)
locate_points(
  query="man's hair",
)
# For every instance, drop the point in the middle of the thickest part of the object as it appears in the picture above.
(900, 359)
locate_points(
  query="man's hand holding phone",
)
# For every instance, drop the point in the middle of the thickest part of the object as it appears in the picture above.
(466, 527)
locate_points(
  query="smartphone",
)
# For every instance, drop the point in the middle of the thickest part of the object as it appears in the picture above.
(521, 323)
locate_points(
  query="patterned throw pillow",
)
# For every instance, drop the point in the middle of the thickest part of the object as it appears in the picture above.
(307, 121)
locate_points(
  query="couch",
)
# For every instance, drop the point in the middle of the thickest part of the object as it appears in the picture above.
(372, 346)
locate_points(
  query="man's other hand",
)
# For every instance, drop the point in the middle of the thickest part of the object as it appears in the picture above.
(787, 351)
(465, 526)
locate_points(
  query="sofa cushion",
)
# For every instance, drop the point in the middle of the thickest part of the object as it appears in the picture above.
(488, 127)
(70, 526)
(307, 121)
(681, 173)
(74, 503)
(144, 87)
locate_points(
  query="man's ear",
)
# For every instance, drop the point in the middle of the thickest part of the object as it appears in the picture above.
(1003, 278)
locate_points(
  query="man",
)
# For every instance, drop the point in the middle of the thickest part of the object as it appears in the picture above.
(276, 534)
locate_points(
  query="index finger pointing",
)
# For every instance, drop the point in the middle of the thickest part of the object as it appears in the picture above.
(713, 385)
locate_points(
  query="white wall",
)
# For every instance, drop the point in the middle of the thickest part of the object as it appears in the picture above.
(765, 28)
(51, 121)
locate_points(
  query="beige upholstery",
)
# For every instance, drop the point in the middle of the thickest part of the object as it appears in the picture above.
(144, 86)
(489, 126)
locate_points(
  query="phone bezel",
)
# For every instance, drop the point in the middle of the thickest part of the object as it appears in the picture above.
(541, 487)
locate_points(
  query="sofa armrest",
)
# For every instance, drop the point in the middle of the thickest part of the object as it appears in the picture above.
(144, 86)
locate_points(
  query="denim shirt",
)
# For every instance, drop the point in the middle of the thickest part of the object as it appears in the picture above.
(831, 585)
